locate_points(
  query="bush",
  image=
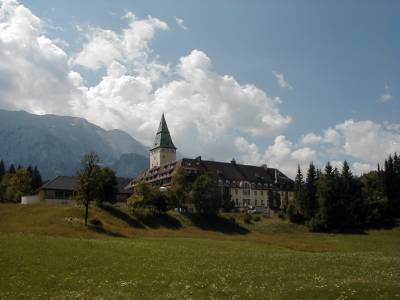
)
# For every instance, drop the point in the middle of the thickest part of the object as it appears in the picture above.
(281, 215)
(248, 218)
(317, 224)
(96, 222)
(135, 201)
(257, 219)
(294, 215)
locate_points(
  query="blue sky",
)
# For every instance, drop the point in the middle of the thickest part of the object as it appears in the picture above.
(338, 58)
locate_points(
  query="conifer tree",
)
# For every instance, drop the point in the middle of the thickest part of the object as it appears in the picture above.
(311, 205)
(351, 200)
(396, 185)
(328, 214)
(11, 169)
(299, 191)
(389, 185)
(37, 181)
(30, 170)
(2, 170)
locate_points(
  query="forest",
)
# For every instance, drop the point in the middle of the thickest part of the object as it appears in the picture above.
(330, 200)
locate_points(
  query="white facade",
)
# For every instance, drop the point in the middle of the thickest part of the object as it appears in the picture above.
(247, 197)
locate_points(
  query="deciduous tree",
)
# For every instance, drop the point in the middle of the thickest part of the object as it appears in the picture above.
(205, 195)
(88, 185)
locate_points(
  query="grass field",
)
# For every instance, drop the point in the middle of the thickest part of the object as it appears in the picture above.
(46, 252)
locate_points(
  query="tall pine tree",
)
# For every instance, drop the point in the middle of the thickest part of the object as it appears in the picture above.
(2, 170)
(351, 200)
(310, 203)
(329, 215)
(37, 181)
(299, 191)
(396, 192)
(11, 169)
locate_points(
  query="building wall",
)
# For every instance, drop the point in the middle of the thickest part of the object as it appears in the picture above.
(256, 197)
(249, 197)
(58, 194)
(161, 156)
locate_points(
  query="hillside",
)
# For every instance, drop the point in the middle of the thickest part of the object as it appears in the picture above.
(56, 144)
(47, 253)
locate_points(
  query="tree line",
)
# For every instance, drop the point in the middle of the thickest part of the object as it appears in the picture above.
(338, 201)
(16, 182)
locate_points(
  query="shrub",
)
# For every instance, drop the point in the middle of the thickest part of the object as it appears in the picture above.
(281, 215)
(96, 222)
(294, 215)
(248, 218)
(317, 224)
(257, 219)
(135, 201)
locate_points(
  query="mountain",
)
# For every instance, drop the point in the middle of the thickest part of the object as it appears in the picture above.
(129, 164)
(56, 144)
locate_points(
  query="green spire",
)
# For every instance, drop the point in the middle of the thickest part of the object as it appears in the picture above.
(163, 138)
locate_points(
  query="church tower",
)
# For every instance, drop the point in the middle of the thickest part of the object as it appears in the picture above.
(163, 150)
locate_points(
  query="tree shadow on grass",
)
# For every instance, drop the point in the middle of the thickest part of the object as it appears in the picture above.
(159, 220)
(115, 212)
(102, 230)
(217, 223)
(145, 219)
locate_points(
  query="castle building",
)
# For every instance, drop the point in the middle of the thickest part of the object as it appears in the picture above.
(247, 185)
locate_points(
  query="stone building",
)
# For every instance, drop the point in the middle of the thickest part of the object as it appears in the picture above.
(248, 186)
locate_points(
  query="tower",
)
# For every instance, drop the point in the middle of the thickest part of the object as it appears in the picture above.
(163, 150)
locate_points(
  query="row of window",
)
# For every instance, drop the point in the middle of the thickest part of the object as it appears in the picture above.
(246, 202)
(247, 192)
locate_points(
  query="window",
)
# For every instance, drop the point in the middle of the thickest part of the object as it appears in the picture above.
(255, 202)
(262, 193)
(255, 193)
(246, 189)
(262, 202)
(236, 191)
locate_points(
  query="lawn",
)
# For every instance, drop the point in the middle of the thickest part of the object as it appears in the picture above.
(270, 259)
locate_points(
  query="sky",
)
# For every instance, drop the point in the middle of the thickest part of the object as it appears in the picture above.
(280, 83)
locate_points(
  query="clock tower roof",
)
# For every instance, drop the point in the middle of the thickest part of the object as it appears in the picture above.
(163, 138)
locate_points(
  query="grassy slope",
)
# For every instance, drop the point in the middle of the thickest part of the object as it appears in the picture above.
(46, 252)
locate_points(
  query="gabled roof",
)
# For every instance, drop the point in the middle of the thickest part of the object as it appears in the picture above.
(60, 183)
(163, 138)
(229, 173)
(67, 183)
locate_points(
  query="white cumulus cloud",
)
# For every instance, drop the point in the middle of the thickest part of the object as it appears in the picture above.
(34, 71)
(203, 107)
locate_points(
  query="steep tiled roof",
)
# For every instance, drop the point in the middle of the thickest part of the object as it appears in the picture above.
(163, 138)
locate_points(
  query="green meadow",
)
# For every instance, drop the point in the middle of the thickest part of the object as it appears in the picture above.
(46, 252)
